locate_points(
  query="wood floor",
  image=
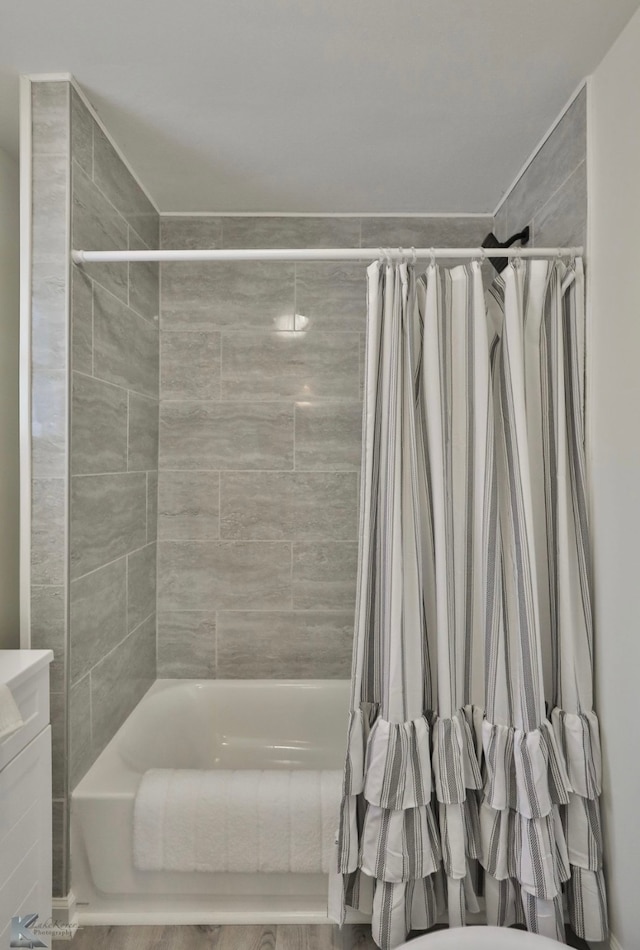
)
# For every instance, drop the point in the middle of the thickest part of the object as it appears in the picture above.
(309, 937)
(260, 937)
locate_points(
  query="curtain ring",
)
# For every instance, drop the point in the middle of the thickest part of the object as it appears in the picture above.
(432, 254)
(414, 256)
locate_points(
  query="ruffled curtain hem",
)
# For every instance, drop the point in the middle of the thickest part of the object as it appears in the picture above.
(426, 799)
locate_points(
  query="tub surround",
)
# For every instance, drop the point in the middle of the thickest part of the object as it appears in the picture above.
(250, 478)
(260, 430)
(114, 446)
(94, 391)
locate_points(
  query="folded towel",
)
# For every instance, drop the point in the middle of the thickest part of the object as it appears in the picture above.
(10, 718)
(243, 821)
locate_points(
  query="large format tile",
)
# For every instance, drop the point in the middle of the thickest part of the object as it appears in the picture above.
(80, 749)
(97, 226)
(81, 322)
(141, 585)
(48, 630)
(562, 221)
(200, 435)
(119, 682)
(126, 347)
(501, 221)
(204, 296)
(190, 365)
(49, 316)
(558, 158)
(49, 192)
(49, 423)
(144, 282)
(442, 231)
(282, 231)
(324, 575)
(332, 295)
(284, 644)
(143, 433)
(189, 232)
(108, 518)
(328, 435)
(50, 118)
(82, 124)
(48, 507)
(118, 184)
(210, 575)
(293, 506)
(98, 616)
(188, 505)
(187, 644)
(152, 506)
(58, 714)
(59, 848)
(98, 428)
(290, 365)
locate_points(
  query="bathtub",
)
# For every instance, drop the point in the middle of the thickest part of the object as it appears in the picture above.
(227, 724)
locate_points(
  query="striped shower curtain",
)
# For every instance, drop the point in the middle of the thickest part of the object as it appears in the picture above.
(472, 773)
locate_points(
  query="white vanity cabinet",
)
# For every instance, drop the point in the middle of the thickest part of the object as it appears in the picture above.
(25, 792)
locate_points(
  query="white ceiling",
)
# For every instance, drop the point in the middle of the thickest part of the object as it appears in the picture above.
(315, 105)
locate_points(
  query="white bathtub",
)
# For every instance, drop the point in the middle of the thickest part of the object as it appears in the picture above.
(227, 724)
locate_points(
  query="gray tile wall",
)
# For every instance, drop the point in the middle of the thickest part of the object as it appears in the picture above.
(49, 425)
(94, 440)
(260, 421)
(114, 447)
(551, 194)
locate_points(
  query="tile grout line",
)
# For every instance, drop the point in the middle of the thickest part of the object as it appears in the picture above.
(92, 180)
(107, 564)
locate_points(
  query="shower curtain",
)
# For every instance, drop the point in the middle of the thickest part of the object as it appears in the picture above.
(472, 773)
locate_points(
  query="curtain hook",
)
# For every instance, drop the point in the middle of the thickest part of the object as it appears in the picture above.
(414, 256)
(432, 254)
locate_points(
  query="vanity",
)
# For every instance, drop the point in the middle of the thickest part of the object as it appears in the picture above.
(25, 792)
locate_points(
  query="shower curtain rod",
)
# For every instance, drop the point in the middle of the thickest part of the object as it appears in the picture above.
(321, 254)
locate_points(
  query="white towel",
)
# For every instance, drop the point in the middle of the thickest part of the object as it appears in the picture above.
(244, 820)
(10, 718)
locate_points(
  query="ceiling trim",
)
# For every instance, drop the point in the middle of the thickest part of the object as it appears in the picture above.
(556, 122)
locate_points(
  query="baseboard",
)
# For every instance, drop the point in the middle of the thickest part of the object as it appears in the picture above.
(64, 916)
(614, 944)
